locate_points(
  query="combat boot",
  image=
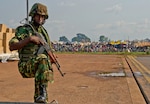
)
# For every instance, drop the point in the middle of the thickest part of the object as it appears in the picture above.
(42, 98)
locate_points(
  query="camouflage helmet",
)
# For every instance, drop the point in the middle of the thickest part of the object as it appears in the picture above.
(39, 8)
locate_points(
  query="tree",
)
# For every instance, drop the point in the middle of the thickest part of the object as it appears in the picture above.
(63, 39)
(102, 38)
(81, 38)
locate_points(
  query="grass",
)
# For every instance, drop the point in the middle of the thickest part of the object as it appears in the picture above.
(108, 53)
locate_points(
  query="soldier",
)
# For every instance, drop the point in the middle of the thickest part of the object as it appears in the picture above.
(32, 64)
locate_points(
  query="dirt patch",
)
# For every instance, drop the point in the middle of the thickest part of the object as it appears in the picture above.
(77, 87)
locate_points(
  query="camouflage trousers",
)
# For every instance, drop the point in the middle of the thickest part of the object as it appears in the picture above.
(39, 68)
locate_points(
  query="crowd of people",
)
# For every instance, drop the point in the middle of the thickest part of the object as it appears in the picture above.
(87, 47)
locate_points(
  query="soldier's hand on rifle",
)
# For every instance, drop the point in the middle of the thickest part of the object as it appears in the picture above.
(36, 40)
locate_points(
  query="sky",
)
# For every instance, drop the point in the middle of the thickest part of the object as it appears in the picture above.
(115, 19)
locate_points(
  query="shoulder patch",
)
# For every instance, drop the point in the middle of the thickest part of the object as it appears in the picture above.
(21, 32)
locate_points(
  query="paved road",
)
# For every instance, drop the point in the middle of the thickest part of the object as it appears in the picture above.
(145, 60)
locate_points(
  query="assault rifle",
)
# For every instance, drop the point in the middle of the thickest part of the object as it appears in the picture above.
(49, 51)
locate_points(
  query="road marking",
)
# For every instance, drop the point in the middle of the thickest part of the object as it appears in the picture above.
(145, 72)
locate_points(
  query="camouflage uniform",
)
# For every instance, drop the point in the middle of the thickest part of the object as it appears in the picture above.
(31, 64)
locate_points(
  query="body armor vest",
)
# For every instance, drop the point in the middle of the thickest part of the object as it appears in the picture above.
(31, 49)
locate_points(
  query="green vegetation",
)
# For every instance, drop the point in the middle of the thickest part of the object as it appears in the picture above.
(64, 39)
(108, 53)
(81, 38)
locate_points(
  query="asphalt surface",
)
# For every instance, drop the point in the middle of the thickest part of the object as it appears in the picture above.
(145, 60)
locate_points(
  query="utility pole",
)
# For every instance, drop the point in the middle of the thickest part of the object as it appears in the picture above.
(27, 3)
(27, 18)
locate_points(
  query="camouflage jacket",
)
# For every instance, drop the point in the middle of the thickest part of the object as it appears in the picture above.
(30, 49)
